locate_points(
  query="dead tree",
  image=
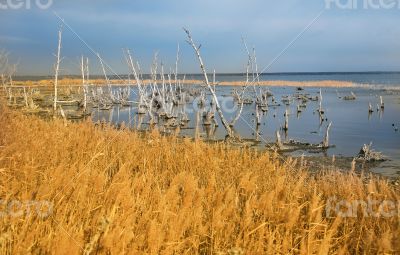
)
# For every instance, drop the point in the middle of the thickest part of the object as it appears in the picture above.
(325, 143)
(240, 97)
(250, 64)
(105, 74)
(57, 69)
(210, 88)
(286, 125)
(258, 117)
(176, 64)
(370, 110)
(143, 102)
(256, 66)
(320, 110)
(278, 140)
(382, 103)
(84, 84)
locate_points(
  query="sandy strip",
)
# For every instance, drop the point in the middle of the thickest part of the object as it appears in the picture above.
(277, 83)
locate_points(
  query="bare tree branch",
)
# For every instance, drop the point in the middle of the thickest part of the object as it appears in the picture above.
(210, 88)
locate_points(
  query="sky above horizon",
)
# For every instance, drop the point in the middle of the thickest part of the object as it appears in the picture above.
(336, 39)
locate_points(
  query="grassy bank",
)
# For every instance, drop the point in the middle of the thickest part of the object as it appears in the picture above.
(115, 192)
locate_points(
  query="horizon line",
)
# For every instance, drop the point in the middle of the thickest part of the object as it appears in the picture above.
(227, 73)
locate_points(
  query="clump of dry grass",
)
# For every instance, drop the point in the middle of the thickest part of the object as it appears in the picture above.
(116, 192)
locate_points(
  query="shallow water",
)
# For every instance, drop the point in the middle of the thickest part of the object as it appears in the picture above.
(352, 125)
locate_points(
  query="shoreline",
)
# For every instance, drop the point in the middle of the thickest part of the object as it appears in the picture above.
(274, 83)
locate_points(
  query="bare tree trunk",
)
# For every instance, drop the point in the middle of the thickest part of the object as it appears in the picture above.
(325, 143)
(278, 140)
(176, 64)
(105, 74)
(240, 97)
(25, 98)
(57, 71)
(87, 70)
(249, 65)
(220, 113)
(286, 126)
(320, 110)
(83, 85)
(258, 119)
(238, 114)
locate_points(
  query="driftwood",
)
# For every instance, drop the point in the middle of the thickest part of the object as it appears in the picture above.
(369, 155)
(351, 97)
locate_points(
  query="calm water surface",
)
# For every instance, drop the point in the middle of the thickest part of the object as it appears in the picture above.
(352, 125)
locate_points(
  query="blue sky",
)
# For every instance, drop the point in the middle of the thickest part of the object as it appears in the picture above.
(339, 40)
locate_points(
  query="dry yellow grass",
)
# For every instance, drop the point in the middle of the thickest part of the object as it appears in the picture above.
(117, 192)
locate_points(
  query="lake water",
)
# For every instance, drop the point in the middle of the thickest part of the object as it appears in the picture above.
(352, 125)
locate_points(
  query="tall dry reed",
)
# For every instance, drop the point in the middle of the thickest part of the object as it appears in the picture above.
(117, 192)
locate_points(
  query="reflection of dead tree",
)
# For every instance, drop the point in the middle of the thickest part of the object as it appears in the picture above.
(210, 88)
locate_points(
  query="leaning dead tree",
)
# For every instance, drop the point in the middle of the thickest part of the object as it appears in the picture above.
(57, 69)
(210, 88)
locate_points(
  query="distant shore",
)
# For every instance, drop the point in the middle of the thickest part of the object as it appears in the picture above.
(276, 83)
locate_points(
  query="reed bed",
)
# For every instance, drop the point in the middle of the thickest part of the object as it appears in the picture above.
(121, 192)
(277, 83)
